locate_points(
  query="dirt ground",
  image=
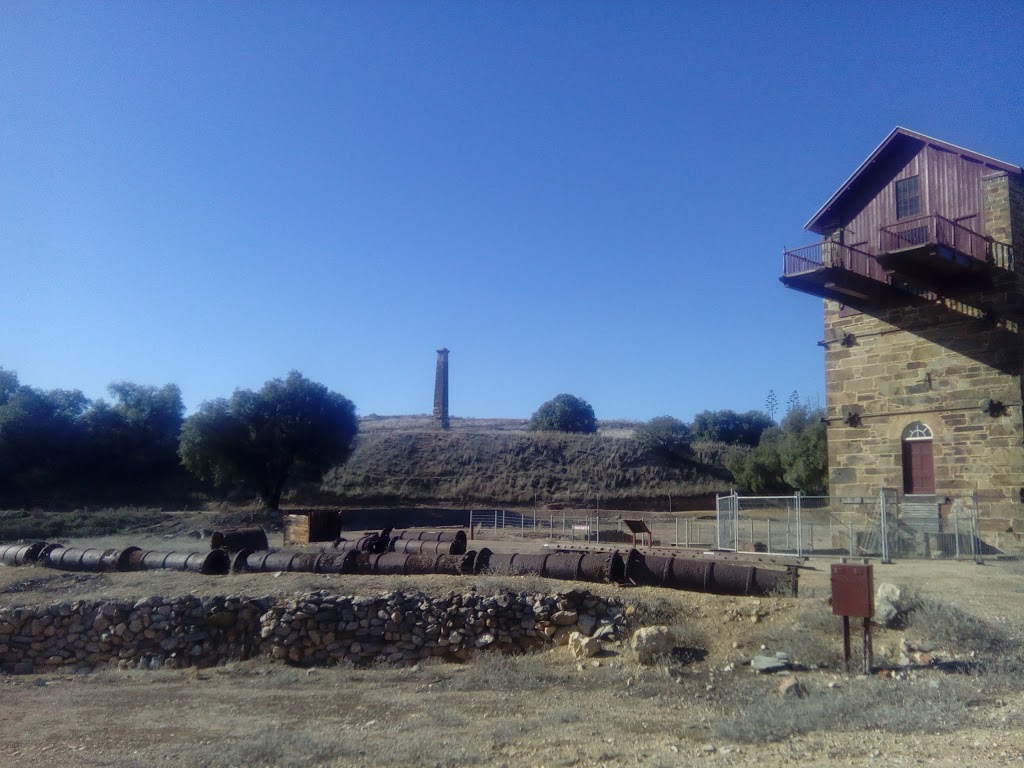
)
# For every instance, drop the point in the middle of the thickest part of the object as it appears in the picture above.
(703, 706)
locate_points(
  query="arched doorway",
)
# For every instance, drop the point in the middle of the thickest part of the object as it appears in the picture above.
(918, 460)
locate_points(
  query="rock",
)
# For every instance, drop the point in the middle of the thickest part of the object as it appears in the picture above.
(583, 647)
(565, 618)
(587, 623)
(889, 608)
(791, 688)
(648, 643)
(485, 639)
(770, 664)
(561, 636)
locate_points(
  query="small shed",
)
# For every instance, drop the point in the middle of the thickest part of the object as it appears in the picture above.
(312, 526)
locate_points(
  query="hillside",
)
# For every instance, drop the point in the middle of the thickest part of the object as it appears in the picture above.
(406, 460)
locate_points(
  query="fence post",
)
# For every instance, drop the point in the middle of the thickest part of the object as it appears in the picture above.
(956, 527)
(975, 549)
(677, 531)
(769, 536)
(799, 527)
(885, 527)
(850, 540)
(597, 526)
(686, 531)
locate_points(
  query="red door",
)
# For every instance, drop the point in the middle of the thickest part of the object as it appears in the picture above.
(918, 467)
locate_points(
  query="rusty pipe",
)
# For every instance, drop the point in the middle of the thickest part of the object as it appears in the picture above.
(240, 538)
(22, 554)
(707, 576)
(418, 547)
(216, 562)
(77, 559)
(265, 562)
(435, 536)
(345, 562)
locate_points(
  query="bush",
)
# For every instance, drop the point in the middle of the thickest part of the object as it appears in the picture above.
(665, 438)
(564, 413)
(792, 456)
(731, 427)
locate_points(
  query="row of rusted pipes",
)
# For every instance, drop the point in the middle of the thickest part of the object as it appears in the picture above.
(631, 567)
(406, 542)
(214, 562)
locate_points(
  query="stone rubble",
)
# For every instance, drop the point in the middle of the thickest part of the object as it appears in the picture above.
(315, 629)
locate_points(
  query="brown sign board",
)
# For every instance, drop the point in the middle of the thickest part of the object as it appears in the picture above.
(853, 592)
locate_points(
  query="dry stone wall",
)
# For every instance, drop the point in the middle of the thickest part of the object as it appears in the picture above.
(316, 629)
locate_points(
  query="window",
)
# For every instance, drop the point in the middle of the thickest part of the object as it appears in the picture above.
(917, 431)
(908, 197)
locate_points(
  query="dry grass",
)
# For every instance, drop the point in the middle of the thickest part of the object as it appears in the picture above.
(513, 467)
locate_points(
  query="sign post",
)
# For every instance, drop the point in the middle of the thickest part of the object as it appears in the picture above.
(853, 595)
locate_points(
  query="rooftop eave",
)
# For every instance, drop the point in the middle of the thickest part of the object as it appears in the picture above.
(815, 223)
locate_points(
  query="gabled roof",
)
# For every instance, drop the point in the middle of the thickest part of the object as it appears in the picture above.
(899, 139)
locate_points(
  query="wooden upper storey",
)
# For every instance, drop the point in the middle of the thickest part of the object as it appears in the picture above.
(910, 219)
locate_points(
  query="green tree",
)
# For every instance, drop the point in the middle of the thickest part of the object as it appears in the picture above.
(134, 441)
(41, 439)
(564, 413)
(731, 427)
(291, 429)
(664, 437)
(790, 457)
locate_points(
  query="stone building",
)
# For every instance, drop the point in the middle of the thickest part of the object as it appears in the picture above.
(922, 335)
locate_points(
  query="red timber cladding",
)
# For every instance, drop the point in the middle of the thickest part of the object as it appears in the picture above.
(950, 186)
(954, 187)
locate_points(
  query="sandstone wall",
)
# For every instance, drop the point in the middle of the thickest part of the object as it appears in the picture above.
(314, 629)
(926, 365)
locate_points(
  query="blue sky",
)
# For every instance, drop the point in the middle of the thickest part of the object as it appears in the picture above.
(573, 197)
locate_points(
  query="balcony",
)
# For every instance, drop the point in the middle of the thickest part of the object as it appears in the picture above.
(935, 253)
(836, 271)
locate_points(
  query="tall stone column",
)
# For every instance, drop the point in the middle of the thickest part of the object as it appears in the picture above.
(441, 389)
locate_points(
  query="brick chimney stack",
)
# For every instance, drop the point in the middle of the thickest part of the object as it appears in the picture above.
(441, 389)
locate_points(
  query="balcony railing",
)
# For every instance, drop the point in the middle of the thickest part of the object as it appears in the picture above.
(832, 255)
(933, 231)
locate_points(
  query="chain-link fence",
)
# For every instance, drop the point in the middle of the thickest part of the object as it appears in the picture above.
(885, 526)
(596, 528)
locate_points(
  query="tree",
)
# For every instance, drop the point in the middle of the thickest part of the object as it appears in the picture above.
(134, 441)
(40, 440)
(790, 457)
(291, 429)
(771, 404)
(564, 413)
(793, 401)
(665, 437)
(731, 427)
